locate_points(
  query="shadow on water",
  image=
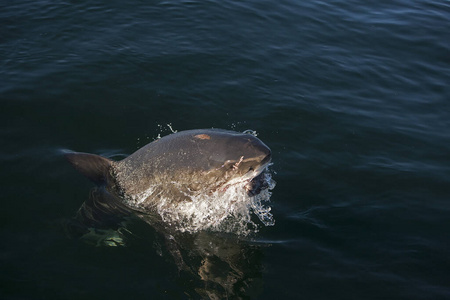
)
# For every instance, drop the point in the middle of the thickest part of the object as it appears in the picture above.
(216, 265)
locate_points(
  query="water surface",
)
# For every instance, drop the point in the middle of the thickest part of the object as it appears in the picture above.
(352, 97)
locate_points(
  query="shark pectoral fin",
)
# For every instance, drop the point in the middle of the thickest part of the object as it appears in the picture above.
(94, 167)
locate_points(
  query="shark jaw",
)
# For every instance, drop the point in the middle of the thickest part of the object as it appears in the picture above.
(253, 181)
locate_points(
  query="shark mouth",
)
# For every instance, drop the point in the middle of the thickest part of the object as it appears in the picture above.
(255, 181)
(256, 185)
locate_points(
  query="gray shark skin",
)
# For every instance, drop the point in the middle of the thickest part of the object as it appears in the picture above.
(179, 166)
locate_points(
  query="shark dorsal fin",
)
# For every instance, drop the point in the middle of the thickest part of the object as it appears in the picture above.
(94, 167)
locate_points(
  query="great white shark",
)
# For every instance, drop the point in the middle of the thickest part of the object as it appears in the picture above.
(180, 184)
(177, 168)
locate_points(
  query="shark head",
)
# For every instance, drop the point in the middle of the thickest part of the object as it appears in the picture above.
(235, 158)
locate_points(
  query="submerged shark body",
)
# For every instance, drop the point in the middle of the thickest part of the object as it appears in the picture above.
(168, 175)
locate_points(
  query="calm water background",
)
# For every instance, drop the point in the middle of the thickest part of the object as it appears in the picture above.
(353, 98)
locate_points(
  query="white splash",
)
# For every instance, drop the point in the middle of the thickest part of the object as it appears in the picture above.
(252, 132)
(225, 211)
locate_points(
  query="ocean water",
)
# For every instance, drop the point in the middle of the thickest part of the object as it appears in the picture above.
(352, 97)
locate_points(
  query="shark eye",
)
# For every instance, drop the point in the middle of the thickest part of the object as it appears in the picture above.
(251, 169)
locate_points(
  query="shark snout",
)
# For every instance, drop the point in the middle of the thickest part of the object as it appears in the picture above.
(267, 158)
(263, 152)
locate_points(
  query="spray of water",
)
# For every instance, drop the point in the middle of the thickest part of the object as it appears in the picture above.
(224, 211)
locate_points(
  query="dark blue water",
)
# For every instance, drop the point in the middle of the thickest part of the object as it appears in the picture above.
(352, 97)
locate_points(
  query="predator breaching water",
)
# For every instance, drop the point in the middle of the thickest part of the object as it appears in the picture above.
(192, 180)
(191, 187)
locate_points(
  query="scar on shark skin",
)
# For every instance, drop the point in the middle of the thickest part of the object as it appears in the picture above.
(202, 136)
